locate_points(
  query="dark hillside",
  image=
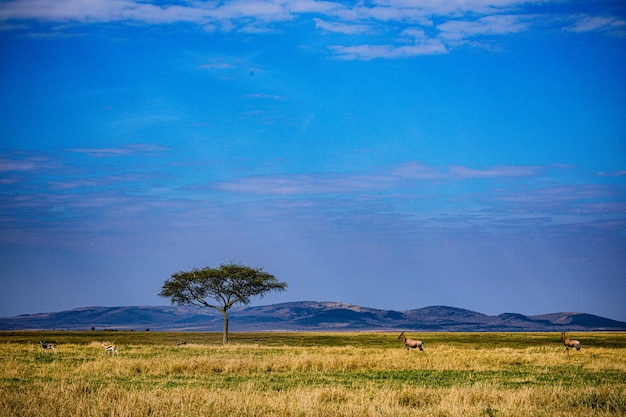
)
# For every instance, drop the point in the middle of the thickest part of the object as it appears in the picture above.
(305, 316)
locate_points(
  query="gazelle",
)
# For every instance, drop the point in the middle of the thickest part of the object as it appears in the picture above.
(569, 343)
(410, 343)
(110, 348)
(48, 345)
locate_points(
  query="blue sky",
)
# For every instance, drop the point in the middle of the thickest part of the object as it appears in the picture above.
(393, 154)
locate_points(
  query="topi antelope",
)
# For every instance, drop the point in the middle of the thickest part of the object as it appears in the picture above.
(110, 348)
(48, 345)
(410, 343)
(569, 343)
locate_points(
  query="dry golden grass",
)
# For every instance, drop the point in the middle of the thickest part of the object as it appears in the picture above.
(332, 375)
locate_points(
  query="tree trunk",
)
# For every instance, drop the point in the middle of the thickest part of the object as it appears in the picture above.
(225, 335)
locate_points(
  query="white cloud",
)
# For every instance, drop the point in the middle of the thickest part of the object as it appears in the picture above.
(414, 33)
(386, 14)
(387, 180)
(391, 21)
(126, 150)
(456, 30)
(312, 6)
(390, 51)
(94, 11)
(455, 7)
(415, 171)
(7, 165)
(495, 172)
(267, 97)
(621, 173)
(24, 162)
(586, 23)
(216, 65)
(304, 184)
(337, 27)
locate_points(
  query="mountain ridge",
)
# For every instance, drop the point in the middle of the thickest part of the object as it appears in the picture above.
(304, 316)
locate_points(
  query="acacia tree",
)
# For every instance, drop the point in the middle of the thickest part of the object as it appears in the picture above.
(219, 288)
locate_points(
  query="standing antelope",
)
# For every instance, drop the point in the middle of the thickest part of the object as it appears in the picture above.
(110, 348)
(569, 343)
(48, 345)
(410, 343)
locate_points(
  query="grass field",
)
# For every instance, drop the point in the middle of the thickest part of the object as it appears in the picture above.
(312, 374)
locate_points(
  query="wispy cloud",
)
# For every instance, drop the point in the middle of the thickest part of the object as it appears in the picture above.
(370, 30)
(587, 23)
(506, 189)
(340, 27)
(496, 172)
(217, 66)
(45, 200)
(462, 30)
(97, 11)
(7, 165)
(266, 97)
(416, 171)
(388, 180)
(621, 173)
(563, 202)
(390, 51)
(126, 150)
(303, 184)
(24, 162)
(504, 195)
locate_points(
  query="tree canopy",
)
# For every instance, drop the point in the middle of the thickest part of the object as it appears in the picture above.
(220, 288)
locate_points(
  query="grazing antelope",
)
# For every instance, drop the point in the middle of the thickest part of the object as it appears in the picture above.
(110, 348)
(48, 345)
(569, 343)
(410, 343)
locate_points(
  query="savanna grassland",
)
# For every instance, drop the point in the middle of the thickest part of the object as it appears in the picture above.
(312, 374)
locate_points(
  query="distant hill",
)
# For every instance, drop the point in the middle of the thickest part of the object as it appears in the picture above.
(304, 316)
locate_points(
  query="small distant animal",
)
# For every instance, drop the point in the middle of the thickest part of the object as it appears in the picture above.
(48, 345)
(570, 343)
(184, 342)
(109, 348)
(410, 343)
